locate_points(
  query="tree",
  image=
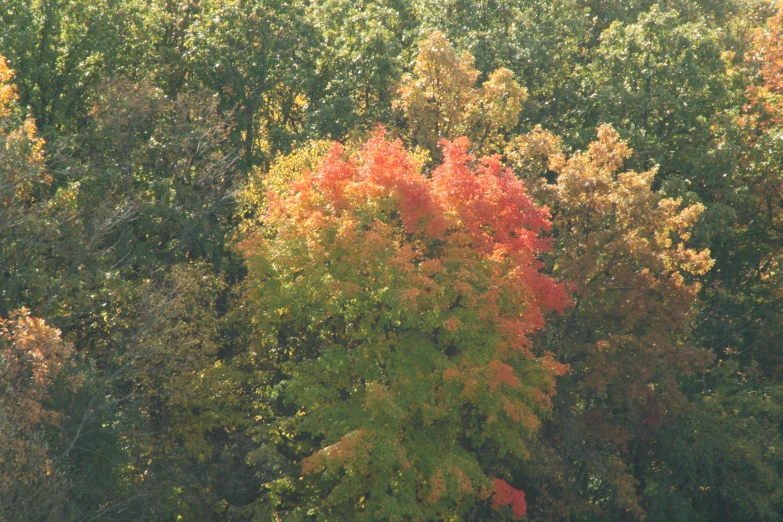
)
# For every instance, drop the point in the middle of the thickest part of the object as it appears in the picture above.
(440, 99)
(21, 156)
(32, 356)
(23, 181)
(660, 82)
(544, 44)
(623, 251)
(125, 275)
(397, 310)
(235, 48)
(361, 51)
(60, 49)
(751, 283)
(31, 352)
(112, 251)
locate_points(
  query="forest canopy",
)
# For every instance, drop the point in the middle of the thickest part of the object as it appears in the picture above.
(391, 260)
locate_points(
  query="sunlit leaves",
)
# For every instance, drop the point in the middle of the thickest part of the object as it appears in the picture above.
(399, 308)
(440, 99)
(32, 356)
(623, 251)
(659, 81)
(21, 156)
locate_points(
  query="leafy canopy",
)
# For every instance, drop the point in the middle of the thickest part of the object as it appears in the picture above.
(440, 99)
(400, 307)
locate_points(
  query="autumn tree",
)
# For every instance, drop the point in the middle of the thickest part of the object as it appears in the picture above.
(767, 54)
(440, 99)
(542, 42)
(32, 356)
(623, 251)
(641, 385)
(24, 181)
(398, 310)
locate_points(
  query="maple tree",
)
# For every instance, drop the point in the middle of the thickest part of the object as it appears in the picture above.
(399, 307)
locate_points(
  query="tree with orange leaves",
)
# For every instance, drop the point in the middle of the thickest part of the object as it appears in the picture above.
(21, 156)
(766, 96)
(399, 309)
(32, 356)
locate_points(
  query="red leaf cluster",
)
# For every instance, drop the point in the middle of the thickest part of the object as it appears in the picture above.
(506, 495)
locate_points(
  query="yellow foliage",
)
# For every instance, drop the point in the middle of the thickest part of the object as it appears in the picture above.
(7, 91)
(440, 99)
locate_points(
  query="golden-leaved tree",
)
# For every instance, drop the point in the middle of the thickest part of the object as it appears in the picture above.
(32, 356)
(21, 157)
(622, 249)
(440, 99)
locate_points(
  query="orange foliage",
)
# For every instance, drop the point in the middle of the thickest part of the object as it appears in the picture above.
(337, 454)
(477, 207)
(767, 53)
(21, 152)
(31, 357)
(436, 285)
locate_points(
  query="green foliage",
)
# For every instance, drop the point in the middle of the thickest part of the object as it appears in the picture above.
(363, 45)
(660, 81)
(60, 49)
(397, 313)
(236, 48)
(177, 128)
